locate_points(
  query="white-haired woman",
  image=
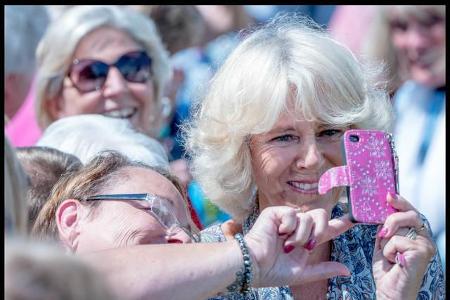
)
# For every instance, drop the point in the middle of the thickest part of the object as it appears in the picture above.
(266, 131)
(87, 135)
(105, 60)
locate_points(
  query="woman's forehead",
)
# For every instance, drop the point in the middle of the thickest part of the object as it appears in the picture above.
(146, 180)
(105, 40)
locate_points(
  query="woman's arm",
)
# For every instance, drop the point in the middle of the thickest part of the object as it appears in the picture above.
(181, 271)
(199, 271)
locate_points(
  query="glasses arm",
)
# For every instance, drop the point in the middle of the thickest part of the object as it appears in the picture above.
(118, 197)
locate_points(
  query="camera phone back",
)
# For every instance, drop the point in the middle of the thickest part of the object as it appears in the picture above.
(371, 162)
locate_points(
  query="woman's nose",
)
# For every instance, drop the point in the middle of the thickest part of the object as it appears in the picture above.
(115, 83)
(310, 156)
(178, 235)
(417, 37)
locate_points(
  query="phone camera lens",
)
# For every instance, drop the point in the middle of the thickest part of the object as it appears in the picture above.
(354, 138)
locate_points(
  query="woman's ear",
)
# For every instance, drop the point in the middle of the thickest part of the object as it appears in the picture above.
(68, 216)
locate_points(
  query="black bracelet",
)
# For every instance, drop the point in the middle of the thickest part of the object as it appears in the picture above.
(244, 276)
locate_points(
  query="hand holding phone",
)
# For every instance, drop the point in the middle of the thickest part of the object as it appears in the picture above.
(370, 172)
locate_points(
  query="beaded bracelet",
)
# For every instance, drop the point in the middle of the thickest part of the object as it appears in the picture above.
(244, 276)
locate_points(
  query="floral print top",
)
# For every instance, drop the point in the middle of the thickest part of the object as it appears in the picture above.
(354, 248)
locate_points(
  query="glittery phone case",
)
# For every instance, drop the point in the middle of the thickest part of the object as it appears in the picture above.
(373, 168)
(369, 172)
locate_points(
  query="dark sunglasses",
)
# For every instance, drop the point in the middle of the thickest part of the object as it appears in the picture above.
(88, 75)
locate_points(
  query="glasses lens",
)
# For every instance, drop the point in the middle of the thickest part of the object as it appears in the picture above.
(135, 66)
(164, 216)
(89, 75)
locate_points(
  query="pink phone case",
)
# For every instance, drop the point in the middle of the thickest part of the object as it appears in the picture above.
(370, 172)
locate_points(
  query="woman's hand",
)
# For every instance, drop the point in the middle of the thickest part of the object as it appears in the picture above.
(280, 242)
(399, 262)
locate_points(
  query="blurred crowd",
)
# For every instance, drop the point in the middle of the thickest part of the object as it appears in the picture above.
(94, 91)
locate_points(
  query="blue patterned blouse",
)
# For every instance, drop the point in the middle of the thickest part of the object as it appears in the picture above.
(354, 248)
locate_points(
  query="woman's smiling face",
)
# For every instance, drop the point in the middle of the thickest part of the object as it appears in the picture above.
(118, 97)
(288, 161)
(420, 44)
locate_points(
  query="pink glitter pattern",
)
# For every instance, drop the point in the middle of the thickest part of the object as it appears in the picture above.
(369, 173)
(337, 176)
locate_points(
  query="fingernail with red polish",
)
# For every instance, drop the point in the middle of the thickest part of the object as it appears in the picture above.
(382, 232)
(288, 248)
(310, 244)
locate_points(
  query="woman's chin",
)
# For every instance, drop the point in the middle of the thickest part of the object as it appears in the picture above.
(427, 77)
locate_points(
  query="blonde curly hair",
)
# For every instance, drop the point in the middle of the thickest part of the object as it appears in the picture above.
(291, 56)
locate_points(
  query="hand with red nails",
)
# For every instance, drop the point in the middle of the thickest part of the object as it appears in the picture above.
(400, 262)
(279, 242)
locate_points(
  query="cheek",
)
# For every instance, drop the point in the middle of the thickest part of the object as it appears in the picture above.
(271, 162)
(144, 95)
(136, 229)
(399, 40)
(74, 103)
(438, 36)
(335, 158)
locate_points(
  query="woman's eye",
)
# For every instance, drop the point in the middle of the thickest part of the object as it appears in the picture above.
(285, 138)
(330, 132)
(431, 21)
(399, 25)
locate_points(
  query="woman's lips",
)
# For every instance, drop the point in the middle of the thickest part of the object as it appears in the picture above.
(305, 187)
(123, 113)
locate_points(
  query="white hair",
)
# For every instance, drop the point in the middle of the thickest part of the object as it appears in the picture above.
(291, 56)
(24, 27)
(85, 136)
(55, 51)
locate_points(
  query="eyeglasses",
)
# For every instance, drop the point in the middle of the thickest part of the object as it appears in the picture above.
(157, 208)
(88, 75)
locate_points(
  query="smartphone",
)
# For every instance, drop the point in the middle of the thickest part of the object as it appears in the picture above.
(372, 168)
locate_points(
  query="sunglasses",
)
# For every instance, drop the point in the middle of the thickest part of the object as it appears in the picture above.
(157, 208)
(89, 75)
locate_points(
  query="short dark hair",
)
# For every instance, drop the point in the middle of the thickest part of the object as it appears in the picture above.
(44, 167)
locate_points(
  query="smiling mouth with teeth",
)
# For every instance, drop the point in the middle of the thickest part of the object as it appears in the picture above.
(303, 187)
(124, 113)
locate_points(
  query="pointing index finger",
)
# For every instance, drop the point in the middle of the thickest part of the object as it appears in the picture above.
(337, 227)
